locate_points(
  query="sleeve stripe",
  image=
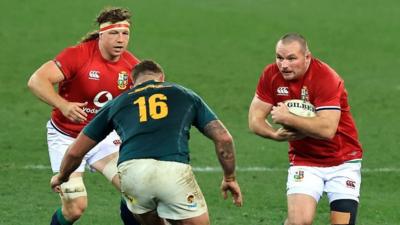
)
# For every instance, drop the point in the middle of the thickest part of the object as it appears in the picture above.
(59, 67)
(327, 108)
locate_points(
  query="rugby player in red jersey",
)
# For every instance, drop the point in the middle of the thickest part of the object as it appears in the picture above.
(88, 75)
(324, 151)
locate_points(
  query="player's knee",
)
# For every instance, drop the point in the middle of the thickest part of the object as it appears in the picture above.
(344, 212)
(74, 198)
(74, 213)
(300, 216)
(298, 221)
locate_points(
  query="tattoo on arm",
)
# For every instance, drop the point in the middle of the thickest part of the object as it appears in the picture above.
(214, 128)
(225, 149)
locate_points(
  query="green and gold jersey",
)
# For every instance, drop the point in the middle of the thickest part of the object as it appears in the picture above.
(153, 120)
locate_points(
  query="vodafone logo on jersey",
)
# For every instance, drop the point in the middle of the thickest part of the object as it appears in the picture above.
(282, 91)
(90, 110)
(99, 100)
(102, 98)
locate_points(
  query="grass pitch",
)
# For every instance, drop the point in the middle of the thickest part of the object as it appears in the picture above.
(217, 48)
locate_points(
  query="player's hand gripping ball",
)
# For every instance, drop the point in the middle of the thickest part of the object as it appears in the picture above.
(300, 108)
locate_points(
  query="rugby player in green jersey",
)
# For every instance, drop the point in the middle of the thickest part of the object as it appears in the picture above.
(153, 120)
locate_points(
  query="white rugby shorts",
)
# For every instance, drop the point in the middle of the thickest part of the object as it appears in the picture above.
(168, 187)
(338, 182)
(58, 143)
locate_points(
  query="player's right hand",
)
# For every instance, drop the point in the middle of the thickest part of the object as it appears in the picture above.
(55, 184)
(280, 113)
(74, 111)
(233, 187)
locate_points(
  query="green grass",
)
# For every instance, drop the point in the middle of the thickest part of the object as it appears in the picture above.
(218, 48)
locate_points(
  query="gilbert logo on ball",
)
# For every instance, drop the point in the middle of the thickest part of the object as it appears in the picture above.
(300, 108)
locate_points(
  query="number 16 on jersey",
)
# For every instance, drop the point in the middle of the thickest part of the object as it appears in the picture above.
(154, 106)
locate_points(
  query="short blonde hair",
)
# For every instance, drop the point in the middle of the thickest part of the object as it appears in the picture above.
(295, 37)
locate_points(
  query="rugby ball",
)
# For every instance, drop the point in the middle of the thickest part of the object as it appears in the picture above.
(300, 108)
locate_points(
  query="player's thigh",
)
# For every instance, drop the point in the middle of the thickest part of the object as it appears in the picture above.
(344, 182)
(301, 208)
(203, 219)
(108, 167)
(106, 149)
(183, 199)
(150, 218)
(104, 156)
(58, 144)
(305, 180)
(304, 189)
(343, 190)
(138, 184)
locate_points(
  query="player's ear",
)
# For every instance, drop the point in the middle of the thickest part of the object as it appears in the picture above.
(162, 77)
(308, 55)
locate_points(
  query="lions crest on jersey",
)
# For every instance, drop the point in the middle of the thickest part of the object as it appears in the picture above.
(304, 94)
(298, 176)
(122, 80)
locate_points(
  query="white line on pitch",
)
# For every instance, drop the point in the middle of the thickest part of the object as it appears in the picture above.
(211, 169)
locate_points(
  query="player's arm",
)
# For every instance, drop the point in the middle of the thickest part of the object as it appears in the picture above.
(225, 150)
(224, 146)
(258, 112)
(72, 159)
(42, 82)
(323, 126)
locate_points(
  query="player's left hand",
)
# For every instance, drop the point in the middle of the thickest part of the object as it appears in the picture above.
(55, 184)
(233, 187)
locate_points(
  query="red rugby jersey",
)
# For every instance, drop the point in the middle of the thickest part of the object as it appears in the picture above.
(90, 78)
(324, 88)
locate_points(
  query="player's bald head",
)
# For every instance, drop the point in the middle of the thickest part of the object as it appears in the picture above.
(294, 37)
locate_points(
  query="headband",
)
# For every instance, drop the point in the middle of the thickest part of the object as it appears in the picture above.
(112, 26)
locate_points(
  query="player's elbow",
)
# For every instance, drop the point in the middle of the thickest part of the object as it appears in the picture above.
(227, 138)
(224, 138)
(31, 83)
(252, 127)
(252, 124)
(328, 133)
(257, 127)
(326, 136)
